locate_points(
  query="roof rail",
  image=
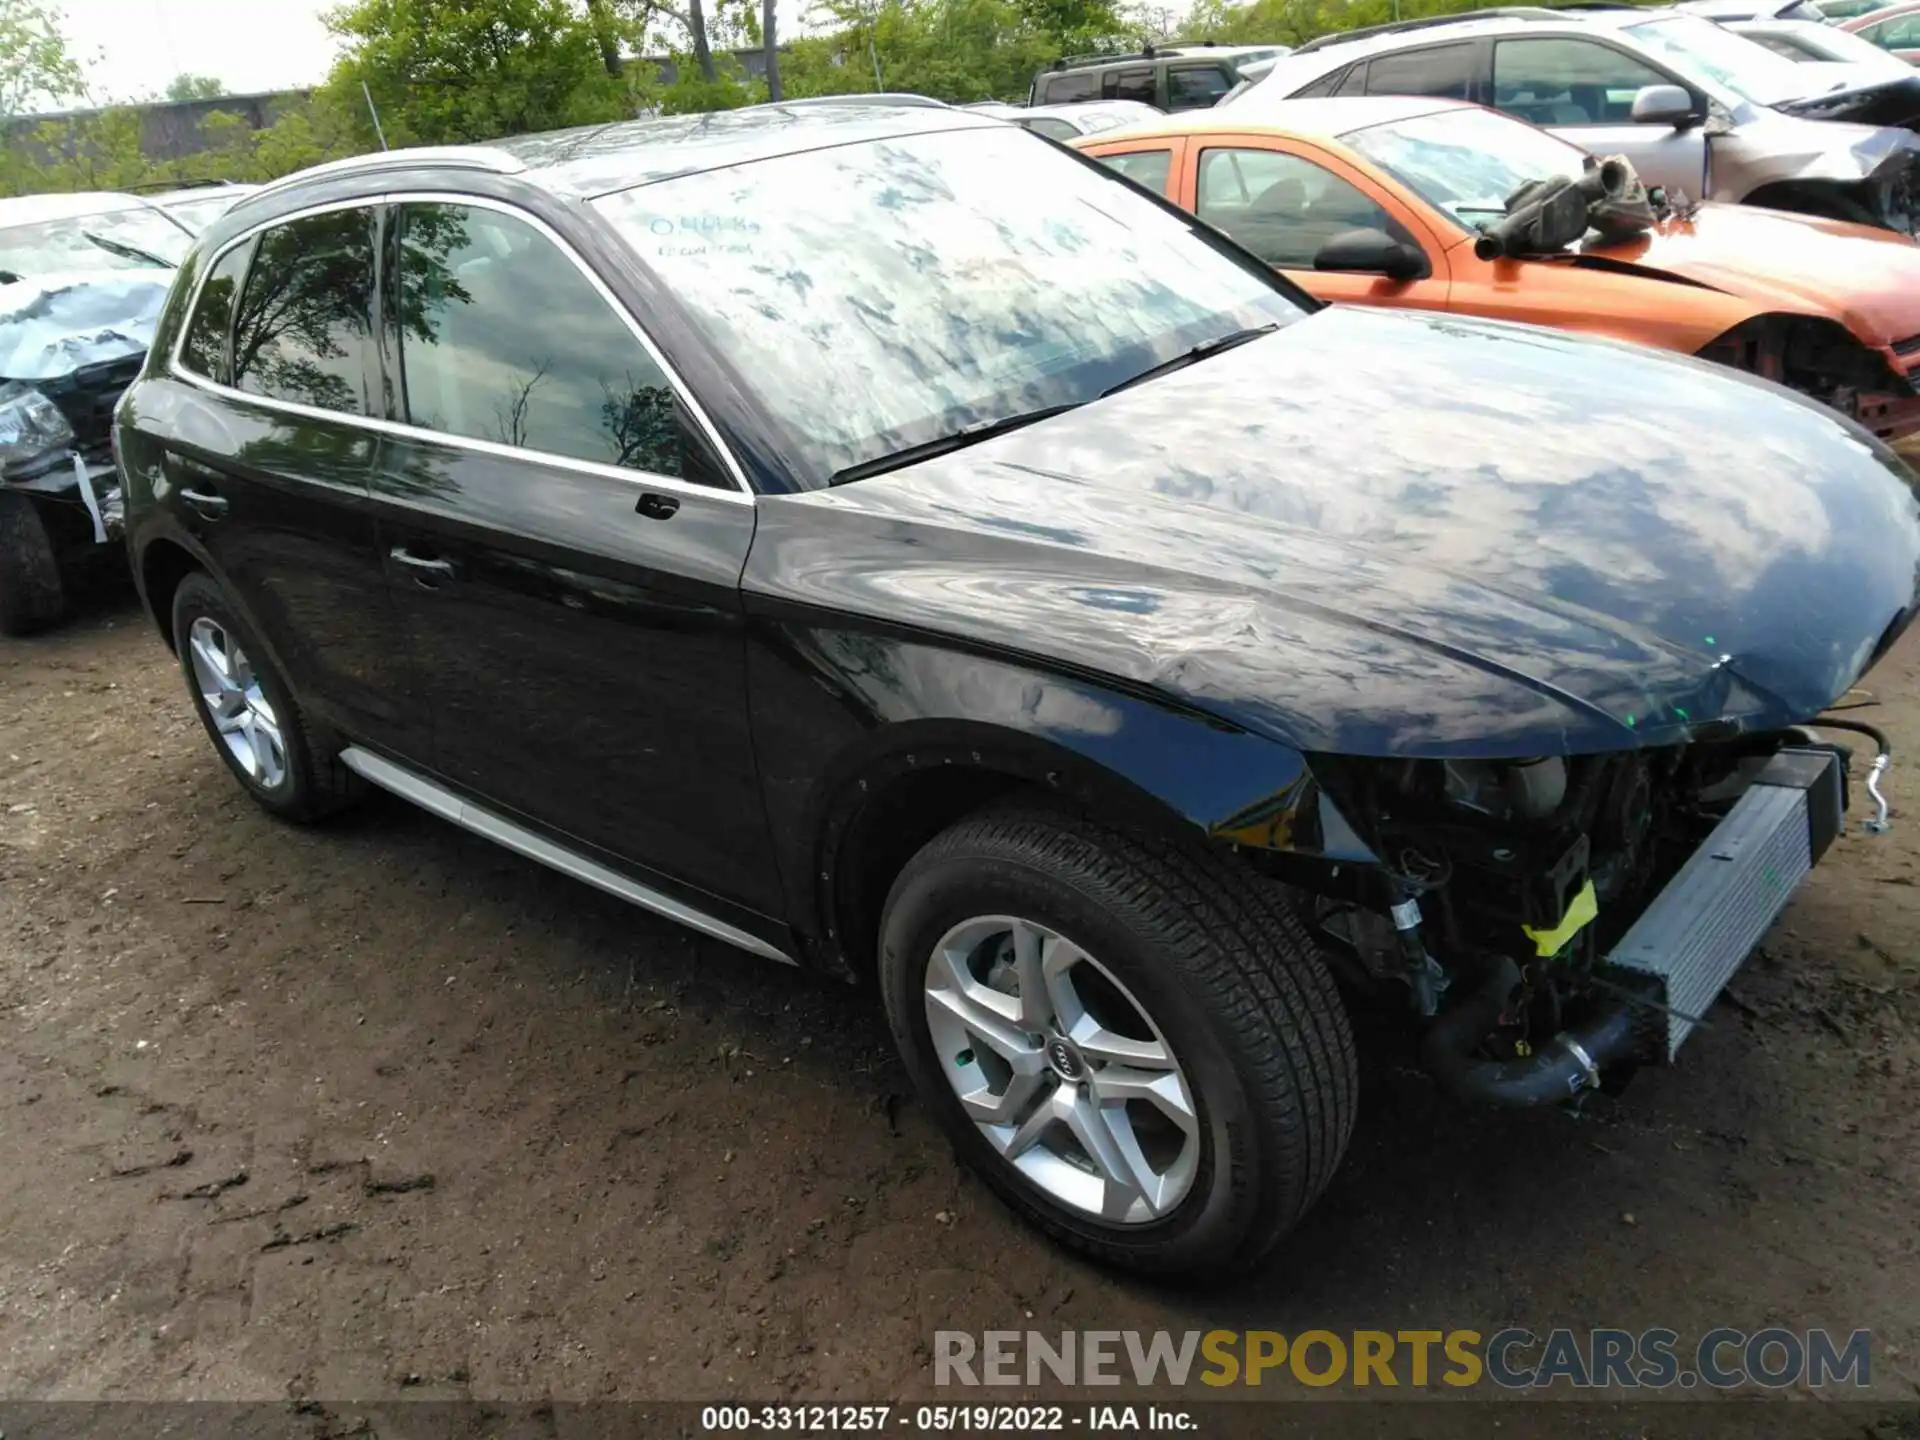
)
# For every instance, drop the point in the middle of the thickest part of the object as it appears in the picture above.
(1102, 57)
(470, 157)
(1428, 22)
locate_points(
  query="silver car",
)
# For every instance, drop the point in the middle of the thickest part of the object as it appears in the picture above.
(1069, 122)
(1695, 107)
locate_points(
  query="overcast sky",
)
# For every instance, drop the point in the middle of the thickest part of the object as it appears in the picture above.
(132, 48)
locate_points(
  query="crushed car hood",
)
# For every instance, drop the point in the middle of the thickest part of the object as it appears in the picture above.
(1883, 102)
(1377, 533)
(53, 325)
(1868, 279)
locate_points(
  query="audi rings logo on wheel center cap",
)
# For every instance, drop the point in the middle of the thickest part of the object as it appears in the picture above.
(1065, 1059)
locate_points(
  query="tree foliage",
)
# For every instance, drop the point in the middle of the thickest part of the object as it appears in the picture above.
(36, 68)
(186, 86)
(455, 71)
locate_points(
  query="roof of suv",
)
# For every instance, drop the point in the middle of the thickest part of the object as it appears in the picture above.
(599, 159)
(1468, 24)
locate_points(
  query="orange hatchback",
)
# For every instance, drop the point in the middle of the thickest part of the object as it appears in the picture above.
(1379, 201)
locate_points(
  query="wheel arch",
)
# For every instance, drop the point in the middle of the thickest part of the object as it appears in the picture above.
(912, 780)
(164, 563)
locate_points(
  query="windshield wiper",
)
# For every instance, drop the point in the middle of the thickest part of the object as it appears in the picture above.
(126, 251)
(946, 444)
(1188, 357)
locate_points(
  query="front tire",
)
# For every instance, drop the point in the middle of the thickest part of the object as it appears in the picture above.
(1135, 1045)
(249, 713)
(32, 594)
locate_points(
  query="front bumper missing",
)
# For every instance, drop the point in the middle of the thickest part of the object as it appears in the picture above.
(1700, 929)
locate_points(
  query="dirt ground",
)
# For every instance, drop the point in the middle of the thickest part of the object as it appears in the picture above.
(378, 1111)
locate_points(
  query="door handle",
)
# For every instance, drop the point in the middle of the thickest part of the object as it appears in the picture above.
(656, 506)
(208, 505)
(426, 570)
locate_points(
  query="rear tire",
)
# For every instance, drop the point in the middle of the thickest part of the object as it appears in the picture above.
(1215, 1084)
(32, 595)
(256, 726)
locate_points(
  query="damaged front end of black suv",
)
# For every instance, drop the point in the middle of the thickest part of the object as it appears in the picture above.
(1557, 921)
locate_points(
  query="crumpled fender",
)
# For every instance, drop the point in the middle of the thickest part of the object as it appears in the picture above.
(1847, 153)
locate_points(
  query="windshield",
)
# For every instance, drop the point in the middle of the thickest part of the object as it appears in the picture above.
(885, 294)
(52, 246)
(1466, 162)
(1702, 50)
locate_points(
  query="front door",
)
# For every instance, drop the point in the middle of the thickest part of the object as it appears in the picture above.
(1285, 206)
(566, 548)
(1582, 90)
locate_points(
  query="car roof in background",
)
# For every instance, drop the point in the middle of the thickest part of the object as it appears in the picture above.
(37, 209)
(1074, 109)
(593, 160)
(1469, 23)
(1307, 119)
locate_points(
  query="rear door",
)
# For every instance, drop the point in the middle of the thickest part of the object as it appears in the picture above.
(267, 456)
(565, 542)
(1582, 90)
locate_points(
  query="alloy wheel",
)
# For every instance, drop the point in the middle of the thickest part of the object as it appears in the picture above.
(234, 701)
(1062, 1069)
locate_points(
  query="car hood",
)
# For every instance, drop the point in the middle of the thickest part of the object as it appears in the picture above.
(1856, 93)
(1868, 279)
(1376, 533)
(53, 325)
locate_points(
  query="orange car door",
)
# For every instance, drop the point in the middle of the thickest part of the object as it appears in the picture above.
(1284, 199)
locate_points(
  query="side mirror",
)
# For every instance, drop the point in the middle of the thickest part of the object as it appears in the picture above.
(1373, 252)
(1663, 105)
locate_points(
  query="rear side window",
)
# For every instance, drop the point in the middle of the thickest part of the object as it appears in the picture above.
(1325, 85)
(1066, 89)
(503, 338)
(204, 349)
(1143, 167)
(1196, 87)
(1135, 84)
(304, 328)
(1443, 71)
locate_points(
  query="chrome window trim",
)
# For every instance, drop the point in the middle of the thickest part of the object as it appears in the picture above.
(741, 495)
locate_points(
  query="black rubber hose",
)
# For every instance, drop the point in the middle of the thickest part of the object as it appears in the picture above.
(1559, 1070)
(1860, 727)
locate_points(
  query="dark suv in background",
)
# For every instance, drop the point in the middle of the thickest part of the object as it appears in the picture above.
(1171, 78)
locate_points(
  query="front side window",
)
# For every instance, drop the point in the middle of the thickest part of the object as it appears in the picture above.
(1143, 167)
(887, 294)
(304, 329)
(204, 348)
(1281, 207)
(1196, 87)
(1128, 85)
(1569, 82)
(1442, 71)
(502, 338)
(1466, 162)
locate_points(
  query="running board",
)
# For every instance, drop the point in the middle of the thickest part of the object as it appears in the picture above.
(432, 796)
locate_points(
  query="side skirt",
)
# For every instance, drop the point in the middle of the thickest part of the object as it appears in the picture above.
(431, 796)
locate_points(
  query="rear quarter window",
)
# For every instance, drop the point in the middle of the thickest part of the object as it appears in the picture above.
(203, 350)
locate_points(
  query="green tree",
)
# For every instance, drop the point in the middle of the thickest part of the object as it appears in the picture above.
(451, 71)
(186, 86)
(36, 69)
